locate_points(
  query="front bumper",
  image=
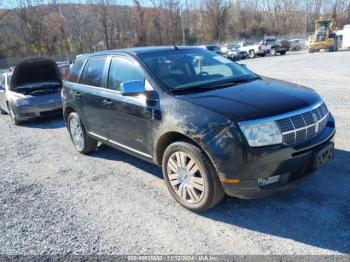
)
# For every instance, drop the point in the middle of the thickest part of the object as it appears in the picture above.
(246, 165)
(291, 172)
(24, 113)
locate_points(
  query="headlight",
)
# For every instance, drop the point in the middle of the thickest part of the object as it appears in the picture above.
(261, 134)
(22, 102)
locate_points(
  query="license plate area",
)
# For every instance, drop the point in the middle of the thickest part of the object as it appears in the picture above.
(324, 155)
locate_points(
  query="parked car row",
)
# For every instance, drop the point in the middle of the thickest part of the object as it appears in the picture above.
(213, 126)
(249, 49)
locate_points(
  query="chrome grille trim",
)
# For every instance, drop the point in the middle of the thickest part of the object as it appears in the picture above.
(300, 129)
(305, 127)
(313, 116)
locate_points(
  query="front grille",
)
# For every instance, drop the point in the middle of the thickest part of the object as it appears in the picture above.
(302, 127)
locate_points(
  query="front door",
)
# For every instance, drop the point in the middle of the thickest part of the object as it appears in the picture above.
(130, 120)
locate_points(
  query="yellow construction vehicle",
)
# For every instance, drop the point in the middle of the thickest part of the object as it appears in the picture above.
(324, 38)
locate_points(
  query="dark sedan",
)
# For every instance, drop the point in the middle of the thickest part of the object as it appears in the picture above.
(214, 126)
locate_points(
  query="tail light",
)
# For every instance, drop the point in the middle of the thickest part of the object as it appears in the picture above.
(63, 92)
(64, 74)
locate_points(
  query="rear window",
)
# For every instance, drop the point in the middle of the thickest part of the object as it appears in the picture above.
(92, 74)
(75, 71)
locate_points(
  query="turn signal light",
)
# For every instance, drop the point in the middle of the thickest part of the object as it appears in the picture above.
(231, 181)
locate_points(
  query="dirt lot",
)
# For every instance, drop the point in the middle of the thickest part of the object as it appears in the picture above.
(53, 200)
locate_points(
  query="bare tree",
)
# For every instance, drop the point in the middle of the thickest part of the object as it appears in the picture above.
(57, 27)
(215, 17)
(139, 23)
(106, 21)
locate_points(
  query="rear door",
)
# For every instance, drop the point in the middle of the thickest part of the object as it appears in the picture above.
(90, 95)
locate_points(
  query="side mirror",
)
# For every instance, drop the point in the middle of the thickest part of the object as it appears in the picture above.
(132, 88)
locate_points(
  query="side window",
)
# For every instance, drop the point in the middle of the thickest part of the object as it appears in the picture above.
(75, 71)
(123, 70)
(93, 72)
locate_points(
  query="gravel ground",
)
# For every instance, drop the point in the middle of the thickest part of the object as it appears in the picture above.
(56, 201)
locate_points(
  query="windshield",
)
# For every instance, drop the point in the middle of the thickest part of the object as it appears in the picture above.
(194, 68)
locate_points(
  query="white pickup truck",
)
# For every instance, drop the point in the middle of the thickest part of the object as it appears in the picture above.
(254, 49)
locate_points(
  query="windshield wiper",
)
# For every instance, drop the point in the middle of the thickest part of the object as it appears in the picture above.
(205, 87)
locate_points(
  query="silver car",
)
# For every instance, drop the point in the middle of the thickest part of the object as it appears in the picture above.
(31, 91)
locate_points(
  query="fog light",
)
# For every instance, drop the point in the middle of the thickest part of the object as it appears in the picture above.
(263, 181)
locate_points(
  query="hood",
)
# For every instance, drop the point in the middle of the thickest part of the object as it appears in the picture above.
(254, 100)
(35, 70)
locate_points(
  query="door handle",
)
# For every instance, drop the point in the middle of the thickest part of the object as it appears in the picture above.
(107, 102)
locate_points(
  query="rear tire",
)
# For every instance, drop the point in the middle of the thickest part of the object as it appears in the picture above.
(82, 141)
(273, 51)
(190, 177)
(283, 52)
(333, 48)
(311, 50)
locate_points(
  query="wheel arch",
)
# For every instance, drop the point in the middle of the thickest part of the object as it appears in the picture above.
(67, 111)
(170, 137)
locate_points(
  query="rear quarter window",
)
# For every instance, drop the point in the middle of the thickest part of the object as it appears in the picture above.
(74, 72)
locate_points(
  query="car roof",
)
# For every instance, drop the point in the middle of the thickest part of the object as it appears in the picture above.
(142, 50)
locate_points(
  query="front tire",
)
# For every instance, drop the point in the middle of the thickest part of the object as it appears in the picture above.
(13, 116)
(82, 141)
(190, 177)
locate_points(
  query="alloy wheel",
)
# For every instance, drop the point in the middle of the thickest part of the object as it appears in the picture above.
(76, 133)
(185, 177)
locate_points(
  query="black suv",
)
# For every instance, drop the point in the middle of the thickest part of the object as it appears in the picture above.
(214, 126)
(276, 46)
